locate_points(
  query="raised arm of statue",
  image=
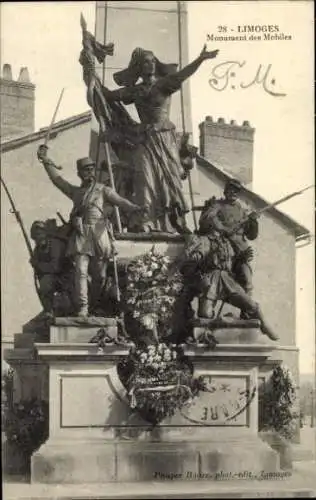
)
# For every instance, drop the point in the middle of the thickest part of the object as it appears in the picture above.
(173, 82)
(57, 180)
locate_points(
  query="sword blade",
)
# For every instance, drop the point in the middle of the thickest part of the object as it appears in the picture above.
(53, 119)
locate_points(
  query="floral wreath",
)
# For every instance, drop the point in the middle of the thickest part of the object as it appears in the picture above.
(159, 381)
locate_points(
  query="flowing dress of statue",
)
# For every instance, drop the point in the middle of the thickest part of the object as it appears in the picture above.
(154, 157)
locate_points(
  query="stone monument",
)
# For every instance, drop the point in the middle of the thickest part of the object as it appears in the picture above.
(141, 385)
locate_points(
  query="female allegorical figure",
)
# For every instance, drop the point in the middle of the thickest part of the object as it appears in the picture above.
(155, 158)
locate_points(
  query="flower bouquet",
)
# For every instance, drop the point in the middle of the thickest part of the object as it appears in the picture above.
(159, 380)
(153, 286)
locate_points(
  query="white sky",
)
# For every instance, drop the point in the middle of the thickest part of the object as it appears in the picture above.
(46, 37)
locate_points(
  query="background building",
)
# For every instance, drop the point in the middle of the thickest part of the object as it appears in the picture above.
(17, 103)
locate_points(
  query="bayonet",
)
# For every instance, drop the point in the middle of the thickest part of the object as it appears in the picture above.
(262, 210)
(272, 205)
(199, 208)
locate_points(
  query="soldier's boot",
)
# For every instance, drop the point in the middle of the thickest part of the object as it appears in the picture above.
(47, 303)
(206, 308)
(252, 310)
(265, 328)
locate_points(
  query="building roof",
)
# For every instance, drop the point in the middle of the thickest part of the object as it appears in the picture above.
(16, 142)
(300, 232)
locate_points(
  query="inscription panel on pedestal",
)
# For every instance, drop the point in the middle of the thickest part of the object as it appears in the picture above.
(98, 399)
(91, 400)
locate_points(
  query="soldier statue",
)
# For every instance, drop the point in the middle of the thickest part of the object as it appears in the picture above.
(89, 243)
(51, 267)
(238, 225)
(217, 258)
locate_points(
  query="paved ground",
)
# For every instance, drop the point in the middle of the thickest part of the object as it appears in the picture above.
(302, 483)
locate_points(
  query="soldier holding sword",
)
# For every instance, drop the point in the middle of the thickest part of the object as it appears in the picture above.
(89, 243)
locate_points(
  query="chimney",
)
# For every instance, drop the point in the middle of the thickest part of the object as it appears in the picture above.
(229, 146)
(17, 103)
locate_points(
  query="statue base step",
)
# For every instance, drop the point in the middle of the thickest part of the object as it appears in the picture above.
(230, 331)
(104, 462)
(69, 330)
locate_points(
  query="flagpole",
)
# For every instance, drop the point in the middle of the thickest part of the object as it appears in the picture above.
(102, 130)
(109, 165)
(182, 115)
(106, 144)
(103, 80)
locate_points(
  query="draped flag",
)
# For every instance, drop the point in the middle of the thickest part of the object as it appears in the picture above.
(117, 130)
(112, 117)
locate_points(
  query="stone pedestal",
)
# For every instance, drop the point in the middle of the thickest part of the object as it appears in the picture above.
(94, 436)
(31, 371)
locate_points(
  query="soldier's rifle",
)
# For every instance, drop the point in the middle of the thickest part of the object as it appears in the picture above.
(25, 235)
(257, 213)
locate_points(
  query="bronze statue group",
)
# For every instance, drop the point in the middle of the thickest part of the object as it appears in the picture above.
(71, 261)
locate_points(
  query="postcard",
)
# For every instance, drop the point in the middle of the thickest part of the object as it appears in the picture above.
(157, 251)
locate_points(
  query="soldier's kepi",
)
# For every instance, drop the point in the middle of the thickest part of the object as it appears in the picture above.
(89, 243)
